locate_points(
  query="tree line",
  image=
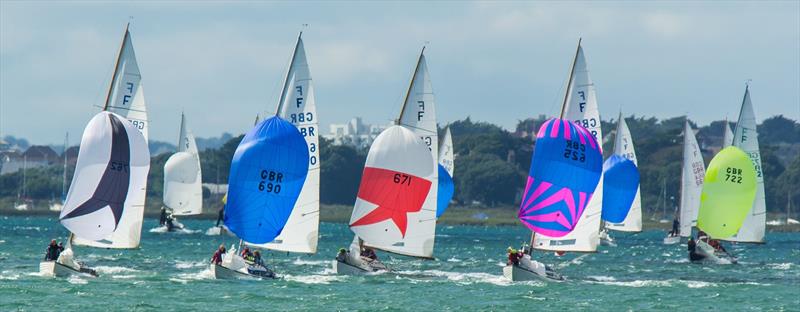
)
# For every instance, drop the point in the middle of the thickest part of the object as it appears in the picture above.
(491, 163)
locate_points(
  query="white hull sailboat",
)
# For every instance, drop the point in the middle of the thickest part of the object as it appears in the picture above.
(624, 147)
(183, 191)
(395, 210)
(692, 174)
(104, 207)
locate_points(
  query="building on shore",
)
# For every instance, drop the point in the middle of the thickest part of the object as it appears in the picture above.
(355, 133)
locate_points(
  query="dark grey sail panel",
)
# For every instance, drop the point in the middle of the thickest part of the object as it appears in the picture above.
(112, 189)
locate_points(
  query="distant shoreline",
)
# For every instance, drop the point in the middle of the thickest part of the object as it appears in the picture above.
(501, 216)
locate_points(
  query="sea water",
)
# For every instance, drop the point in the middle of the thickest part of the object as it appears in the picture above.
(169, 272)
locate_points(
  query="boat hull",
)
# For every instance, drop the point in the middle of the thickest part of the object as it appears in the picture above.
(221, 272)
(516, 273)
(606, 240)
(55, 269)
(710, 256)
(343, 268)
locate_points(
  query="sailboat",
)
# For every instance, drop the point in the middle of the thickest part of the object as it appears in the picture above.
(617, 214)
(446, 166)
(728, 193)
(57, 205)
(727, 136)
(692, 174)
(563, 181)
(183, 190)
(125, 97)
(23, 203)
(580, 106)
(746, 138)
(298, 106)
(267, 174)
(110, 179)
(395, 210)
(789, 220)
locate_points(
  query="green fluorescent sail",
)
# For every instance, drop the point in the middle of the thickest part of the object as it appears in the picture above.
(728, 193)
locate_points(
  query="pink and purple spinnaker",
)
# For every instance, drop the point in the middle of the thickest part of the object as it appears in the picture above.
(566, 167)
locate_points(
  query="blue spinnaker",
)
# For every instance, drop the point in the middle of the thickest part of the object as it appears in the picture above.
(268, 170)
(620, 184)
(446, 190)
(565, 170)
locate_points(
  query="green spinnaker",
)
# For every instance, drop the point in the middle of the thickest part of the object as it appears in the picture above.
(728, 193)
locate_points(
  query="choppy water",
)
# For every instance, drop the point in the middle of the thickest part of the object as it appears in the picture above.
(169, 272)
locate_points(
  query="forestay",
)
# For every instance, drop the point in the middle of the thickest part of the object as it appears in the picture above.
(581, 107)
(564, 173)
(692, 174)
(746, 138)
(728, 193)
(393, 211)
(623, 146)
(298, 106)
(446, 167)
(105, 201)
(183, 190)
(267, 173)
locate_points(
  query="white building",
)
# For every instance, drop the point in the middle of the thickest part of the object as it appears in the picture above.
(355, 133)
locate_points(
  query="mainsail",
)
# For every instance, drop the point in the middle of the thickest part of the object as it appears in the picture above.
(581, 107)
(298, 106)
(394, 210)
(268, 171)
(565, 170)
(109, 182)
(623, 146)
(746, 138)
(183, 190)
(446, 166)
(728, 193)
(727, 138)
(125, 97)
(692, 175)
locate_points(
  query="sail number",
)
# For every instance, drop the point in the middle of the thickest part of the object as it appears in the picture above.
(428, 141)
(733, 175)
(138, 124)
(312, 149)
(589, 123)
(575, 151)
(118, 166)
(270, 181)
(302, 117)
(400, 178)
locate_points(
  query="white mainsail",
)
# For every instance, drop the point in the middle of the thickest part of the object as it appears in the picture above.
(693, 172)
(746, 138)
(727, 139)
(125, 97)
(109, 182)
(394, 211)
(623, 146)
(297, 105)
(581, 107)
(183, 190)
(446, 152)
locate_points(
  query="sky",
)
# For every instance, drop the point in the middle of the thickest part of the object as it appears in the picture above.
(500, 62)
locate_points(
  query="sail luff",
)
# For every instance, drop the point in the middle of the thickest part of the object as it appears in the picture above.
(568, 90)
(116, 67)
(410, 85)
(286, 83)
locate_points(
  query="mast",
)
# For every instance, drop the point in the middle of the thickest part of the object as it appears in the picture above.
(64, 177)
(563, 107)
(569, 80)
(116, 67)
(410, 85)
(288, 74)
(686, 129)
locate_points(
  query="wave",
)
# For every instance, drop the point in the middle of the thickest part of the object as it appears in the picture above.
(163, 229)
(313, 279)
(113, 270)
(780, 266)
(465, 278)
(298, 261)
(188, 264)
(74, 279)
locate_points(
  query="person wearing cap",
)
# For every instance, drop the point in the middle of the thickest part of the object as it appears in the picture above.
(513, 256)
